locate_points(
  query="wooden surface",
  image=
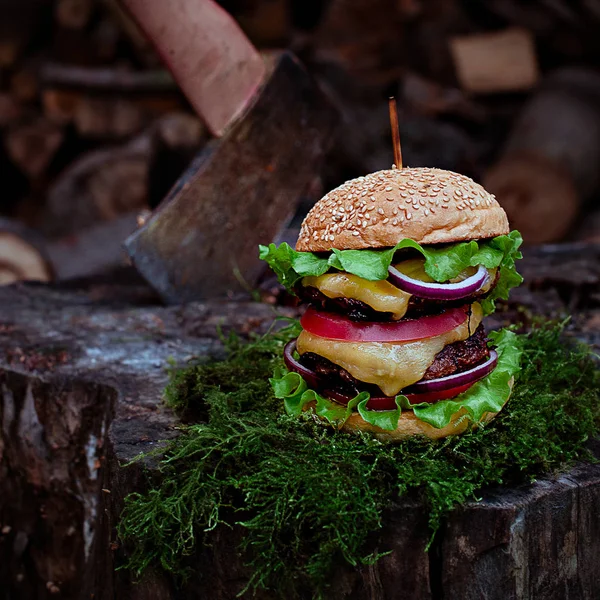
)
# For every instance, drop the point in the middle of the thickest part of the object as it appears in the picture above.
(82, 369)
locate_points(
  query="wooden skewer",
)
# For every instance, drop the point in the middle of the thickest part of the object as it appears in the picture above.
(395, 133)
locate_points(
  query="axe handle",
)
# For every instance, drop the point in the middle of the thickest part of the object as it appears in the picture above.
(215, 64)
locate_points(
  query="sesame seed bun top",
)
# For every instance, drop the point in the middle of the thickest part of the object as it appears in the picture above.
(429, 206)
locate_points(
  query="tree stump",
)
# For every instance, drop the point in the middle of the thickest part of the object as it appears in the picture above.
(82, 370)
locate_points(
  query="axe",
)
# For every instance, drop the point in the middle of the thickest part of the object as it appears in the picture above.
(272, 126)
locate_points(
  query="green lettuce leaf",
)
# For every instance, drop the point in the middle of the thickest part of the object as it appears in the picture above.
(295, 393)
(487, 395)
(441, 263)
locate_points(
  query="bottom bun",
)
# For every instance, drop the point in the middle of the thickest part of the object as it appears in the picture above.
(409, 425)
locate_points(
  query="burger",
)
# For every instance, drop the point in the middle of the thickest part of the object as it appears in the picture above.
(398, 269)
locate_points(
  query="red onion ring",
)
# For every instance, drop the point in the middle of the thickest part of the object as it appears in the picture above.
(311, 378)
(439, 291)
(457, 379)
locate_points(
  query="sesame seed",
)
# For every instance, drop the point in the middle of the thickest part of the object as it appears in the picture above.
(395, 222)
(426, 213)
(386, 220)
(409, 215)
(380, 211)
(331, 238)
(388, 188)
(355, 233)
(395, 211)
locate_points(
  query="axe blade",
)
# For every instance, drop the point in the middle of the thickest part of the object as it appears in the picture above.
(240, 191)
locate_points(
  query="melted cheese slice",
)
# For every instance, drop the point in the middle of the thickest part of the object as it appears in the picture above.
(381, 296)
(390, 365)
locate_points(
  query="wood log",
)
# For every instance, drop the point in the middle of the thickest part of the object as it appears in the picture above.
(548, 167)
(73, 14)
(10, 109)
(431, 99)
(589, 230)
(107, 103)
(32, 144)
(547, 17)
(109, 118)
(139, 42)
(538, 195)
(106, 116)
(496, 62)
(18, 26)
(99, 186)
(106, 79)
(101, 193)
(265, 22)
(106, 37)
(23, 254)
(24, 82)
(81, 379)
(96, 249)
(59, 105)
(364, 38)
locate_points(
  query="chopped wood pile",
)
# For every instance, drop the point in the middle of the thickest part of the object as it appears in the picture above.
(94, 131)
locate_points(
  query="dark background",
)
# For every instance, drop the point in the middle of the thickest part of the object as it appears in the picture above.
(93, 132)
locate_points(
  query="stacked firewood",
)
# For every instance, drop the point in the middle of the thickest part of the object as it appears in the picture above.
(93, 130)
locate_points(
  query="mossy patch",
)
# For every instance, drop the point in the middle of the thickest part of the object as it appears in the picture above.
(309, 496)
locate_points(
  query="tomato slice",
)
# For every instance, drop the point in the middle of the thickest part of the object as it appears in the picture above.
(337, 327)
(389, 402)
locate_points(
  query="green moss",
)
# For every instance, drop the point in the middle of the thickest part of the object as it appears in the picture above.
(308, 496)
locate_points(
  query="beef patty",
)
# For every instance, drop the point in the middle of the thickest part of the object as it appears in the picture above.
(356, 310)
(454, 358)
